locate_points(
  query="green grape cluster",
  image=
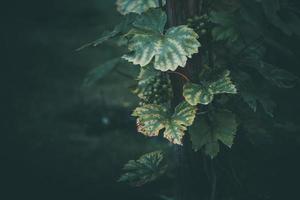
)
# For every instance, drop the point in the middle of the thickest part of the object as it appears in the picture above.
(200, 24)
(157, 90)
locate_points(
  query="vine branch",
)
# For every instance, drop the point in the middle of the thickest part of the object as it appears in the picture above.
(180, 74)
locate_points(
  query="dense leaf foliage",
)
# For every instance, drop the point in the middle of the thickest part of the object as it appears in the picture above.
(238, 40)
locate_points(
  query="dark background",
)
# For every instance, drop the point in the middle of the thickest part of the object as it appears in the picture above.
(55, 143)
(59, 142)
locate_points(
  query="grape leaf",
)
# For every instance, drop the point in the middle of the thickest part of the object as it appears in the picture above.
(279, 77)
(227, 27)
(204, 94)
(99, 72)
(146, 169)
(266, 102)
(272, 11)
(275, 75)
(153, 118)
(137, 6)
(168, 50)
(206, 133)
(253, 94)
(122, 27)
(182, 118)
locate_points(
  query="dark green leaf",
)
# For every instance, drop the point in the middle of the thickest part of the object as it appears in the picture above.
(123, 27)
(279, 77)
(100, 72)
(226, 26)
(207, 133)
(146, 169)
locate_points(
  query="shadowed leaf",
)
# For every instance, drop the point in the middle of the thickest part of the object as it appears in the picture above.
(100, 72)
(146, 169)
(207, 133)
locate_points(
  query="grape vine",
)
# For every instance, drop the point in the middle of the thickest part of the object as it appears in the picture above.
(215, 99)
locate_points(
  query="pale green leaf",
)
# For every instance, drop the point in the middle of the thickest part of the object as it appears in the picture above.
(146, 169)
(195, 94)
(204, 94)
(207, 133)
(169, 50)
(137, 6)
(176, 126)
(152, 118)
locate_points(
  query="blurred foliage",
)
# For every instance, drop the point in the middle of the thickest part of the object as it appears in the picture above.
(67, 143)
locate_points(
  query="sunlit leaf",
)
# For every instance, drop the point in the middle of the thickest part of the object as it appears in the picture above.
(176, 126)
(168, 50)
(137, 6)
(207, 133)
(146, 169)
(153, 118)
(204, 94)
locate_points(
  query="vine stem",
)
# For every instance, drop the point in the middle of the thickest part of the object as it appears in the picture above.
(213, 181)
(160, 3)
(180, 74)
